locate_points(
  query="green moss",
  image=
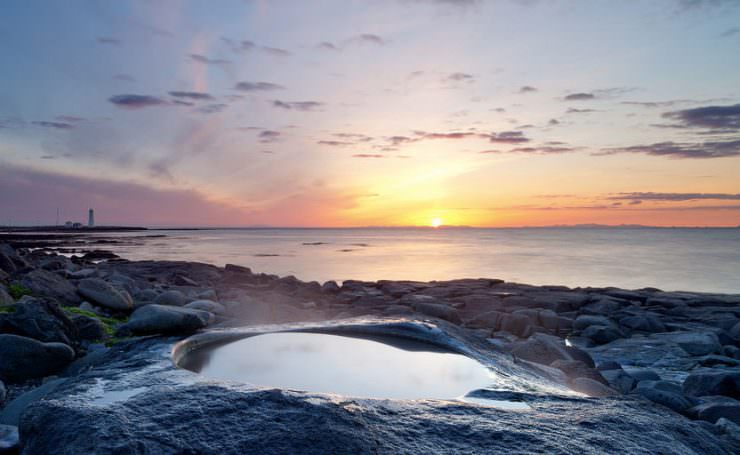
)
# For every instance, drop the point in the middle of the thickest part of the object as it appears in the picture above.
(109, 324)
(17, 291)
(7, 308)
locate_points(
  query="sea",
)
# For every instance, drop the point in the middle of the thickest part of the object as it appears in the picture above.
(671, 259)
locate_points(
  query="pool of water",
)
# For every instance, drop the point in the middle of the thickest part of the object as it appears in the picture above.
(378, 367)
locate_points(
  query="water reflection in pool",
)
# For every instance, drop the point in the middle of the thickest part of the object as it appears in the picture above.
(357, 367)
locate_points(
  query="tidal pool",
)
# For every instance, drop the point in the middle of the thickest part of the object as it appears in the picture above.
(377, 367)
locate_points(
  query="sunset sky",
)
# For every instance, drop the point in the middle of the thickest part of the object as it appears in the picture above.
(370, 113)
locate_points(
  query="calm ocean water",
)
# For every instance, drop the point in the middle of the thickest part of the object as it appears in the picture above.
(670, 259)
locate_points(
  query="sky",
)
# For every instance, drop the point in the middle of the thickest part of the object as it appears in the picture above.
(370, 112)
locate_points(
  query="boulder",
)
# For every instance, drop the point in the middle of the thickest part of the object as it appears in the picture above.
(735, 331)
(392, 310)
(39, 319)
(619, 380)
(600, 334)
(438, 310)
(667, 386)
(715, 410)
(541, 348)
(674, 401)
(163, 319)
(3, 392)
(644, 375)
(23, 358)
(6, 264)
(207, 305)
(101, 293)
(592, 388)
(487, 320)
(171, 298)
(697, 343)
(330, 287)
(609, 365)
(42, 283)
(643, 323)
(9, 439)
(89, 329)
(577, 369)
(81, 274)
(730, 428)
(584, 321)
(182, 280)
(514, 323)
(725, 383)
(5, 298)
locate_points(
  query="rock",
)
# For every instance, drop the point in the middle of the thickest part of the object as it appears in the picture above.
(609, 365)
(670, 400)
(644, 375)
(163, 319)
(393, 310)
(5, 298)
(604, 306)
(24, 358)
(6, 264)
(208, 294)
(440, 311)
(619, 380)
(81, 274)
(735, 331)
(643, 323)
(592, 388)
(601, 334)
(577, 369)
(11, 413)
(181, 280)
(42, 283)
(667, 386)
(713, 411)
(3, 392)
(697, 343)
(207, 305)
(105, 295)
(487, 320)
(554, 322)
(87, 306)
(90, 329)
(584, 321)
(541, 348)
(514, 323)
(713, 383)
(9, 440)
(171, 298)
(731, 351)
(730, 428)
(39, 319)
(330, 287)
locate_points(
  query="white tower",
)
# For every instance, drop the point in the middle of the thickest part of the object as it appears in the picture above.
(91, 218)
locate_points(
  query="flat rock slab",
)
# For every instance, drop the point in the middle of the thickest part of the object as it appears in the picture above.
(135, 398)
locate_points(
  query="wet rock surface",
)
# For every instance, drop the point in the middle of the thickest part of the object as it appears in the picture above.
(603, 369)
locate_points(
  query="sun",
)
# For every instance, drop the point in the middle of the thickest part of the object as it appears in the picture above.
(436, 222)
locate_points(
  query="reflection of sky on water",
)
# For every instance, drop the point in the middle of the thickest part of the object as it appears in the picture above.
(670, 259)
(346, 366)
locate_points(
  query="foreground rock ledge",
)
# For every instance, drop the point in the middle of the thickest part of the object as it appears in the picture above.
(134, 400)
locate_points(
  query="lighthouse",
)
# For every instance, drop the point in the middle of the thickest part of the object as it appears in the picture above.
(91, 218)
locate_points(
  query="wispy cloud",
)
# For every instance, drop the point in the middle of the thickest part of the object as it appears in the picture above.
(54, 125)
(108, 40)
(702, 150)
(136, 101)
(269, 136)
(715, 117)
(276, 51)
(304, 106)
(258, 86)
(191, 95)
(673, 197)
(527, 89)
(209, 61)
(580, 96)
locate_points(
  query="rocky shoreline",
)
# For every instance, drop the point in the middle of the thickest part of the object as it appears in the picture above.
(642, 371)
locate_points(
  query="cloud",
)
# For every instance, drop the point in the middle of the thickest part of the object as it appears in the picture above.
(453, 135)
(553, 122)
(124, 78)
(527, 89)
(367, 155)
(327, 46)
(573, 110)
(508, 137)
(70, 118)
(702, 150)
(460, 77)
(354, 136)
(258, 87)
(191, 95)
(367, 38)
(673, 197)
(129, 101)
(208, 61)
(212, 108)
(652, 104)
(335, 143)
(580, 97)
(108, 40)
(269, 136)
(715, 117)
(544, 150)
(304, 106)
(55, 125)
(276, 51)
(732, 31)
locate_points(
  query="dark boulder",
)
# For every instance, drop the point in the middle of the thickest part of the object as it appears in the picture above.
(40, 319)
(171, 298)
(602, 334)
(103, 294)
(438, 310)
(577, 369)
(23, 358)
(9, 440)
(161, 319)
(89, 329)
(713, 383)
(643, 323)
(674, 401)
(619, 380)
(42, 283)
(715, 410)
